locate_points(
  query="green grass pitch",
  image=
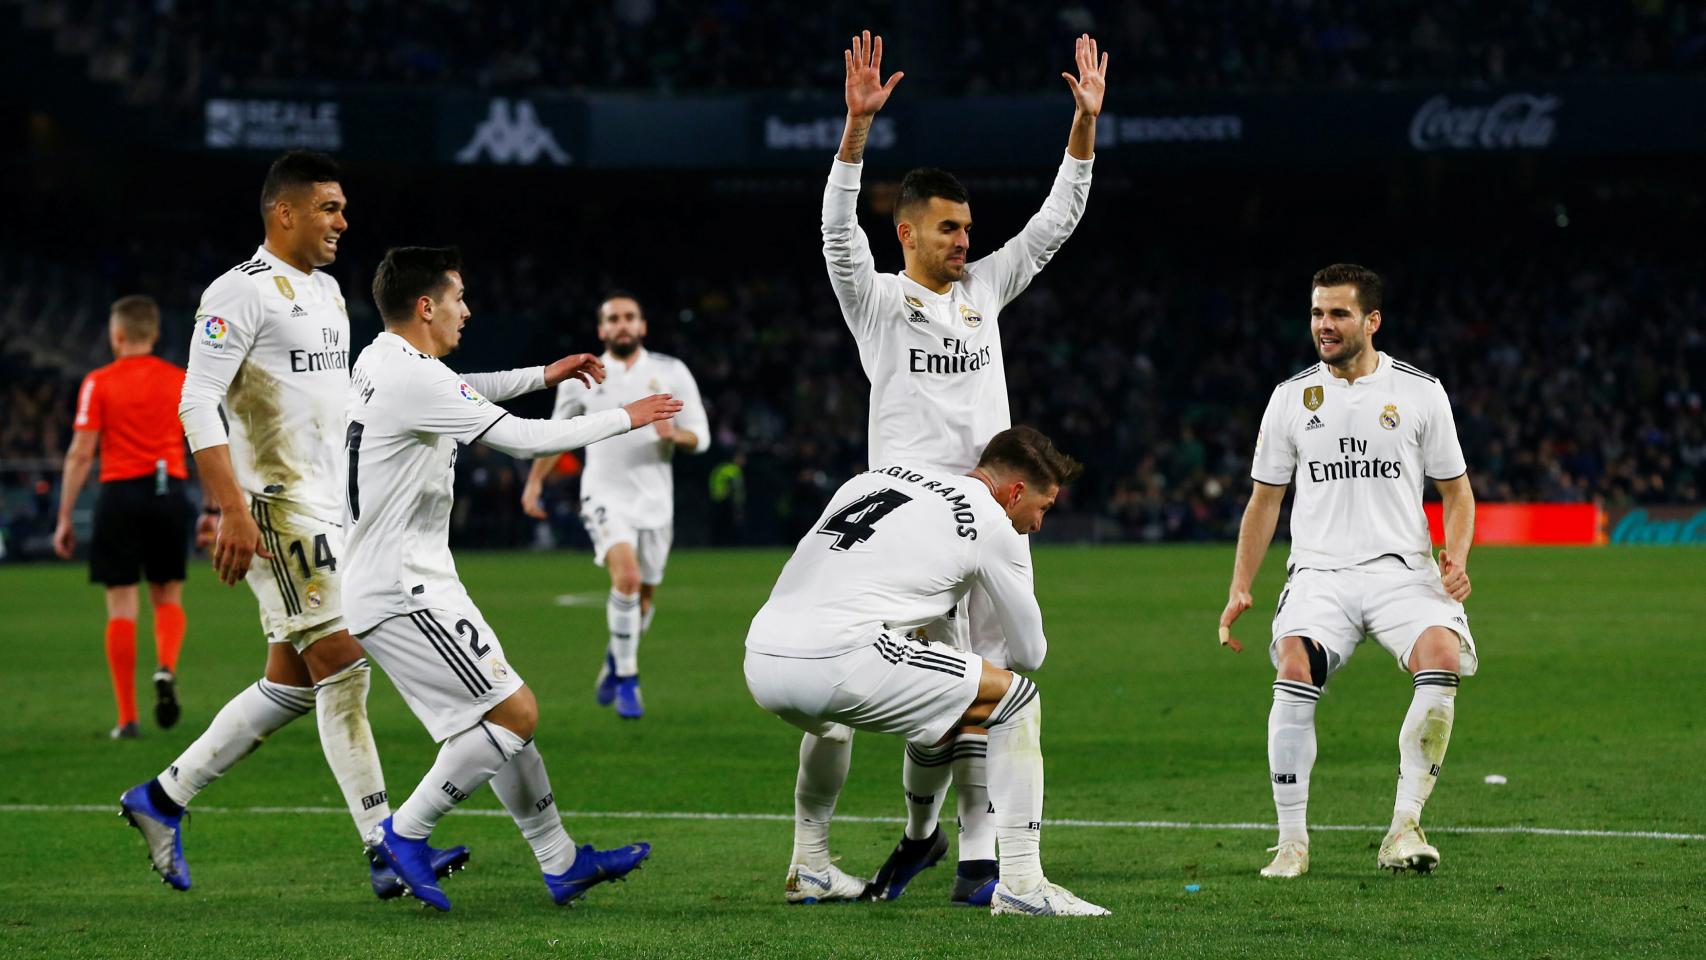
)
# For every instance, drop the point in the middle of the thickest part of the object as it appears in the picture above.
(1589, 701)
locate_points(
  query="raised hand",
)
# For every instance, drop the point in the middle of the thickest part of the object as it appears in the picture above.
(866, 91)
(1091, 82)
(584, 367)
(658, 406)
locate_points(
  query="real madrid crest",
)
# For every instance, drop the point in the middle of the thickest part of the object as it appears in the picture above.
(285, 288)
(914, 302)
(1389, 416)
(654, 386)
(313, 591)
(970, 315)
(1312, 397)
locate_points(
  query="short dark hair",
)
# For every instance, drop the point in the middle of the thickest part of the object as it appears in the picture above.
(1031, 454)
(1368, 285)
(138, 316)
(620, 294)
(919, 185)
(409, 273)
(298, 168)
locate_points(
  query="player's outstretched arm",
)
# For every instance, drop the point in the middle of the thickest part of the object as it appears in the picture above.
(1088, 88)
(524, 438)
(1256, 531)
(1458, 500)
(865, 93)
(78, 460)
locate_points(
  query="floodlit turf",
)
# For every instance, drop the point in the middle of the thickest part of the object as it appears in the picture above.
(1589, 702)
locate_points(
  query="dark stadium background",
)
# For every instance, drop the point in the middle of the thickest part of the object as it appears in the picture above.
(1547, 264)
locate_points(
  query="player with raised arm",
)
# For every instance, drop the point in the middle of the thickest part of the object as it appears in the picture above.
(407, 411)
(898, 547)
(929, 340)
(1358, 432)
(262, 409)
(628, 489)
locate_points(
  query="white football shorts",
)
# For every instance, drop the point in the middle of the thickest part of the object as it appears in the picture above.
(1382, 599)
(608, 524)
(299, 589)
(916, 690)
(447, 663)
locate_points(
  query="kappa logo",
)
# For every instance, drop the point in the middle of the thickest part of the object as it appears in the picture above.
(1313, 424)
(512, 135)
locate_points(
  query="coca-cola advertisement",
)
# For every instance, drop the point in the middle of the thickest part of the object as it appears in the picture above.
(1515, 121)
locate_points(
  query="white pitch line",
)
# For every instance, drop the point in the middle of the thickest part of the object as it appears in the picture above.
(783, 817)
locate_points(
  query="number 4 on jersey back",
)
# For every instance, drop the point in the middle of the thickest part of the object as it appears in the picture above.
(856, 522)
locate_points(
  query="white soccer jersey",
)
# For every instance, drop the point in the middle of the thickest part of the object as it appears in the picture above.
(938, 382)
(897, 548)
(407, 411)
(1359, 453)
(271, 344)
(632, 472)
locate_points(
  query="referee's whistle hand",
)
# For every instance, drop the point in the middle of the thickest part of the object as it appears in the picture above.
(239, 543)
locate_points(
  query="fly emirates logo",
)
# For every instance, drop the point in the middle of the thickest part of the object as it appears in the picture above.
(1354, 463)
(955, 358)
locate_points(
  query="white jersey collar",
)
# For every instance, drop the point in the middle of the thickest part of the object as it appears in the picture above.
(262, 253)
(1381, 370)
(926, 291)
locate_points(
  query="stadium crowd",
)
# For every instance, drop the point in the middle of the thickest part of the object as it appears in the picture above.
(185, 49)
(1576, 374)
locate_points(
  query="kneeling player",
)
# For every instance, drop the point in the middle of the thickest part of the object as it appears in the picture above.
(898, 547)
(407, 412)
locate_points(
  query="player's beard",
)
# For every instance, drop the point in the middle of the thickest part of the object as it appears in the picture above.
(623, 349)
(1349, 351)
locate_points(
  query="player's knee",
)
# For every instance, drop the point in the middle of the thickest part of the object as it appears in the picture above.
(1021, 704)
(1438, 648)
(518, 713)
(1292, 661)
(625, 581)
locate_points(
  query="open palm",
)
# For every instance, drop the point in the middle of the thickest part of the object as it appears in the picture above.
(1091, 82)
(866, 91)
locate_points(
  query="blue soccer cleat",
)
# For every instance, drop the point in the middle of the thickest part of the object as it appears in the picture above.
(386, 886)
(161, 830)
(605, 689)
(973, 888)
(593, 867)
(909, 859)
(628, 704)
(411, 861)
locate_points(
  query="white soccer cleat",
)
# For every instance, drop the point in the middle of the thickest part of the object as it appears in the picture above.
(1047, 900)
(1291, 859)
(1407, 848)
(806, 885)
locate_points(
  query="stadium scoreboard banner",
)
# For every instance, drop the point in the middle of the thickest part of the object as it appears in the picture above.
(723, 132)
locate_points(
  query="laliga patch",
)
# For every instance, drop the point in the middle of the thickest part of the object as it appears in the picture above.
(285, 288)
(213, 331)
(1389, 416)
(469, 393)
(970, 315)
(1312, 397)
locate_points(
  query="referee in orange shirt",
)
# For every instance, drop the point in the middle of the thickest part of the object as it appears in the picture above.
(129, 410)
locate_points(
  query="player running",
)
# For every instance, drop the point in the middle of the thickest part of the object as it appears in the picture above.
(897, 548)
(128, 412)
(1358, 432)
(263, 410)
(628, 489)
(930, 342)
(407, 411)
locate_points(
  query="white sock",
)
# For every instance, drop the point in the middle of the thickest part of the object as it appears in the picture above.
(1016, 784)
(924, 776)
(1422, 741)
(465, 763)
(239, 727)
(646, 619)
(622, 610)
(348, 743)
(1291, 755)
(971, 797)
(823, 771)
(525, 792)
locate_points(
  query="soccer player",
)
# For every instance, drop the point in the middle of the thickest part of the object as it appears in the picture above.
(930, 342)
(898, 547)
(407, 412)
(128, 411)
(1358, 432)
(628, 489)
(262, 407)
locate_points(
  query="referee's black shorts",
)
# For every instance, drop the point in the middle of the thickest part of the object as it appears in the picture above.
(140, 532)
